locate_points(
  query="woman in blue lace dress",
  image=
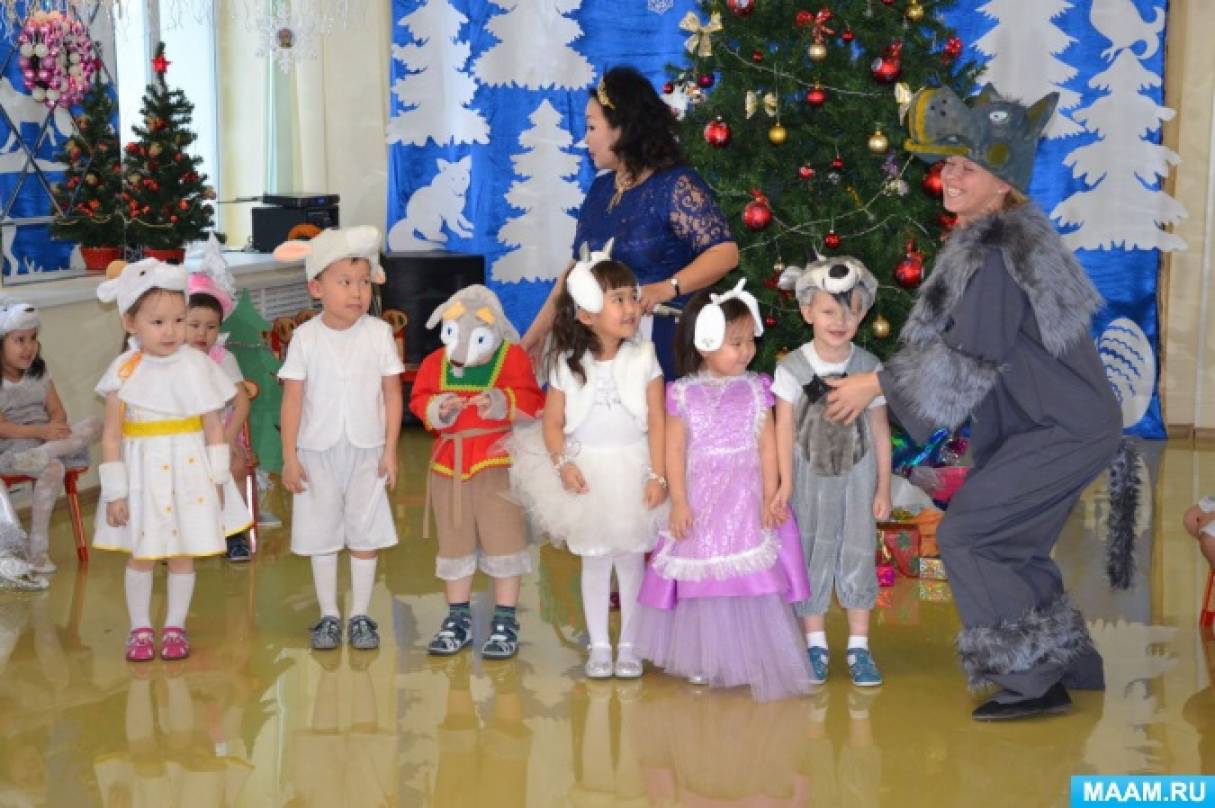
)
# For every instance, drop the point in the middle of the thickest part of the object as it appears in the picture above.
(665, 224)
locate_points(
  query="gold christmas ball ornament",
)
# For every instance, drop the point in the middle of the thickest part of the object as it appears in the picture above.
(915, 11)
(818, 52)
(881, 327)
(878, 142)
(133, 178)
(90, 179)
(778, 267)
(155, 149)
(778, 134)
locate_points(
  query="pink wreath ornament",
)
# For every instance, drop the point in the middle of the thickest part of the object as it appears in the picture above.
(56, 57)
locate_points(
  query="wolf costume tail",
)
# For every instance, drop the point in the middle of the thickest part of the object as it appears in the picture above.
(1124, 510)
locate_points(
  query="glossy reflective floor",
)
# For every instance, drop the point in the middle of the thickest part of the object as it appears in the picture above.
(254, 718)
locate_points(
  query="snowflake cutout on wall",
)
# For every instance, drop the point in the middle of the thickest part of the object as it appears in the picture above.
(660, 6)
(287, 36)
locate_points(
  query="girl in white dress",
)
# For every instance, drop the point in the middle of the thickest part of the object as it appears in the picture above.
(162, 450)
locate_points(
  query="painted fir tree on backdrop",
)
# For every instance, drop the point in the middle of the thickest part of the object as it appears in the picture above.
(794, 122)
(547, 194)
(435, 88)
(88, 195)
(535, 46)
(167, 198)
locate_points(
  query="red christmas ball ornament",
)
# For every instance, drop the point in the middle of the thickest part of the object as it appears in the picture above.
(803, 18)
(832, 240)
(132, 148)
(757, 215)
(705, 80)
(909, 273)
(757, 56)
(953, 47)
(932, 180)
(947, 220)
(837, 163)
(806, 172)
(887, 67)
(772, 281)
(888, 2)
(173, 219)
(816, 96)
(184, 205)
(847, 36)
(717, 133)
(668, 88)
(770, 321)
(741, 8)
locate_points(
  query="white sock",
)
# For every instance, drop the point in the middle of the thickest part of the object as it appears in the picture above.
(46, 490)
(630, 569)
(816, 639)
(596, 592)
(324, 578)
(138, 585)
(362, 579)
(181, 590)
(858, 641)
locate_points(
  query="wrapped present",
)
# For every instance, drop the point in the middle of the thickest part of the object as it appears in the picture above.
(885, 574)
(934, 591)
(932, 568)
(901, 541)
(927, 522)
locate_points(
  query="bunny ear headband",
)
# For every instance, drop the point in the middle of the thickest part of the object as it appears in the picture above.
(711, 321)
(332, 245)
(16, 315)
(581, 283)
(214, 278)
(835, 276)
(138, 278)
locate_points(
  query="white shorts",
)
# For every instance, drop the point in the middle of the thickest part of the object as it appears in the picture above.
(345, 504)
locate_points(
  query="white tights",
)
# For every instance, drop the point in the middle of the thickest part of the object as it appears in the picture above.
(597, 591)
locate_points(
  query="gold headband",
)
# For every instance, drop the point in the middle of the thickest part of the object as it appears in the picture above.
(601, 92)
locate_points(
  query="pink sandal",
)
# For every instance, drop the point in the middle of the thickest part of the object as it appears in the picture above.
(141, 645)
(173, 643)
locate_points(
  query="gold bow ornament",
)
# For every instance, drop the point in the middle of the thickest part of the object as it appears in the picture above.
(700, 42)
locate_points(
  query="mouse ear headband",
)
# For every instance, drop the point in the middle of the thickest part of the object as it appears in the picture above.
(711, 321)
(16, 315)
(332, 245)
(138, 278)
(581, 283)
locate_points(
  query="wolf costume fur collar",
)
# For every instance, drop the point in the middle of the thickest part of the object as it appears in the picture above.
(945, 385)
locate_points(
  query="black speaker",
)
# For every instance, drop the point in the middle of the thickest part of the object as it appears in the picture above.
(272, 224)
(417, 282)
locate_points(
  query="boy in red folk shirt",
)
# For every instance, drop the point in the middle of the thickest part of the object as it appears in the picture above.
(468, 392)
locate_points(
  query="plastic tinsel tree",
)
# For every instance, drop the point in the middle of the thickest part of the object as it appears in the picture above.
(87, 197)
(166, 196)
(795, 122)
(245, 327)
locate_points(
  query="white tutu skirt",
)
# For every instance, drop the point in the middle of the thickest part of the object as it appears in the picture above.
(609, 519)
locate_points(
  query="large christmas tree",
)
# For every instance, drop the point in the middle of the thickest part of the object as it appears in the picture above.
(87, 197)
(795, 122)
(166, 196)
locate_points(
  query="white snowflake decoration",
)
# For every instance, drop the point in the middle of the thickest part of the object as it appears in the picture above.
(287, 36)
(660, 6)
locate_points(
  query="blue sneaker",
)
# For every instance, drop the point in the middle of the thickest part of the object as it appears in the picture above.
(818, 664)
(864, 670)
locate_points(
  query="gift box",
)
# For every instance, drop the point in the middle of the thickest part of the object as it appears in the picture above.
(900, 541)
(934, 591)
(927, 521)
(885, 574)
(932, 569)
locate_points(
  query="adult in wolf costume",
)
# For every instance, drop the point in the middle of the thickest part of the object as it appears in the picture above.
(1000, 335)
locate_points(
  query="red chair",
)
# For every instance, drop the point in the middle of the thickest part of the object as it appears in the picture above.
(1207, 618)
(70, 478)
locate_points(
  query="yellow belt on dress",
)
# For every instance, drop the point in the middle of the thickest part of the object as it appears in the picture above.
(159, 429)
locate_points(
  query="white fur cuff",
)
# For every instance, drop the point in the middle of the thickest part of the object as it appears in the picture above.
(219, 458)
(113, 480)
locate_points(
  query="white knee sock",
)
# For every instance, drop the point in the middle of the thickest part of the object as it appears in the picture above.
(138, 585)
(630, 569)
(324, 578)
(858, 641)
(362, 579)
(181, 591)
(816, 639)
(46, 491)
(596, 592)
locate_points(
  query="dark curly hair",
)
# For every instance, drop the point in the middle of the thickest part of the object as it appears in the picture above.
(569, 335)
(687, 357)
(647, 126)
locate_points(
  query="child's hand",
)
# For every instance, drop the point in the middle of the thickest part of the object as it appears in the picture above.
(778, 506)
(388, 467)
(116, 513)
(294, 476)
(881, 506)
(655, 493)
(681, 519)
(572, 479)
(55, 430)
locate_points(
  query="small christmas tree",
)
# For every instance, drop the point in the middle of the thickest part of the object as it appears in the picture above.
(795, 124)
(166, 196)
(87, 198)
(244, 327)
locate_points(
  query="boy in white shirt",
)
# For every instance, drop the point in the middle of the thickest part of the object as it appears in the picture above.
(341, 418)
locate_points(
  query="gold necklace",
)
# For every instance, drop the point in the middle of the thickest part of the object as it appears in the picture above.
(621, 185)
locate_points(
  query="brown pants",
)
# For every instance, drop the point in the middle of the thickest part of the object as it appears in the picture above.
(492, 529)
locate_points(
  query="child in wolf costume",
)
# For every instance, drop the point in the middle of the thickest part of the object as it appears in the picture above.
(1000, 334)
(837, 475)
(468, 393)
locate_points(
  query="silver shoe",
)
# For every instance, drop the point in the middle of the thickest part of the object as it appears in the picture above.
(628, 666)
(599, 666)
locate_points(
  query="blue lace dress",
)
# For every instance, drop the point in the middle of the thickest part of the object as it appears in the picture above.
(660, 227)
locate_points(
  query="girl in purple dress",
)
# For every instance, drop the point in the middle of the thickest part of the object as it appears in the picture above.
(717, 594)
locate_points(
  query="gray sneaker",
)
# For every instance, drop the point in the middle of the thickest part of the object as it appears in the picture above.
(363, 633)
(327, 634)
